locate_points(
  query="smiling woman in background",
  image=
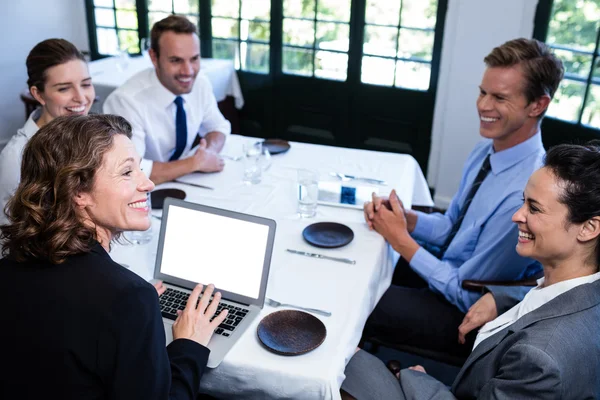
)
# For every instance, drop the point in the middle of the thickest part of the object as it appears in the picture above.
(58, 78)
(79, 325)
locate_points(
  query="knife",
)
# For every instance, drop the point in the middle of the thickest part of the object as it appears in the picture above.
(194, 184)
(370, 180)
(314, 255)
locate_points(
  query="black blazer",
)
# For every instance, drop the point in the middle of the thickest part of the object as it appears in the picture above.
(89, 329)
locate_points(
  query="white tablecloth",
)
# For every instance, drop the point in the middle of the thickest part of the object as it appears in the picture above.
(350, 292)
(108, 74)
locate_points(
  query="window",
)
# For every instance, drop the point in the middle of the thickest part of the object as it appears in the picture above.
(116, 26)
(398, 43)
(241, 32)
(316, 38)
(159, 9)
(573, 34)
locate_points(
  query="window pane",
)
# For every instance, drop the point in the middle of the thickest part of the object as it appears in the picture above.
(227, 49)
(380, 41)
(574, 23)
(127, 19)
(333, 10)
(160, 5)
(591, 114)
(107, 41)
(154, 17)
(225, 8)
(193, 19)
(418, 13)
(103, 3)
(297, 61)
(383, 12)
(378, 71)
(126, 4)
(415, 44)
(567, 101)
(330, 65)
(225, 28)
(332, 36)
(255, 31)
(299, 9)
(256, 9)
(129, 41)
(300, 33)
(255, 57)
(596, 72)
(104, 17)
(186, 6)
(413, 75)
(575, 63)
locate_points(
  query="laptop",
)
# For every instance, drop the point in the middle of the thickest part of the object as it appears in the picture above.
(198, 243)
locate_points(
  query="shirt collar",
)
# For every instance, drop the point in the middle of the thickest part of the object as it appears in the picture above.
(30, 127)
(505, 159)
(161, 94)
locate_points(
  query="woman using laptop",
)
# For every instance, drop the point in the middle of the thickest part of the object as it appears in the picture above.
(547, 345)
(77, 325)
(59, 80)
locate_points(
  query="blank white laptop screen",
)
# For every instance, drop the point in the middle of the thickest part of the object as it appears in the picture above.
(209, 248)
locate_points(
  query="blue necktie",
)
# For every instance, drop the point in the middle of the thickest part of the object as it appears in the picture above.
(180, 129)
(485, 168)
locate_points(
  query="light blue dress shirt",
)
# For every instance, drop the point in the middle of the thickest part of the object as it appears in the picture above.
(484, 247)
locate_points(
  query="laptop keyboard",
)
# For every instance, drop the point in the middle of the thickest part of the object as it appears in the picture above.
(172, 300)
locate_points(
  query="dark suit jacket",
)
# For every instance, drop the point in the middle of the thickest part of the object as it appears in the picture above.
(89, 329)
(550, 353)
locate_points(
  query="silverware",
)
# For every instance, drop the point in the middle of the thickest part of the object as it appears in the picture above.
(194, 184)
(315, 255)
(346, 177)
(156, 216)
(238, 158)
(274, 303)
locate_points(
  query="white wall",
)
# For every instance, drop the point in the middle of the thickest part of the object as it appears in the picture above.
(23, 23)
(473, 28)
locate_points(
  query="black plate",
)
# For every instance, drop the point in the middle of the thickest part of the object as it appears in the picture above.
(158, 197)
(328, 234)
(276, 146)
(291, 332)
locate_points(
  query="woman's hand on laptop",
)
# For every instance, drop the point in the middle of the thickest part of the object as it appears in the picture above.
(194, 322)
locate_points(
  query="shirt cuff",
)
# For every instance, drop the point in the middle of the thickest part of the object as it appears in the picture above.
(424, 263)
(424, 226)
(146, 166)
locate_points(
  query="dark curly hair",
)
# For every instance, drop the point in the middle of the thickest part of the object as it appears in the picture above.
(577, 167)
(59, 162)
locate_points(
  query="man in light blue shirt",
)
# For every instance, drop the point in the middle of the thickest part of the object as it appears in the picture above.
(475, 238)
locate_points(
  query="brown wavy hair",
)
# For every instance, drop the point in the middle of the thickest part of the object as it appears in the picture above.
(59, 162)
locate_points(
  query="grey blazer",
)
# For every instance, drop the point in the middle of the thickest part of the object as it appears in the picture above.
(551, 353)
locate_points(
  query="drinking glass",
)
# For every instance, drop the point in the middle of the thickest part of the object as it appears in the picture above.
(265, 159)
(308, 193)
(142, 237)
(252, 166)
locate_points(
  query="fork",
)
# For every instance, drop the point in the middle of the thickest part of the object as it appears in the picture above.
(274, 303)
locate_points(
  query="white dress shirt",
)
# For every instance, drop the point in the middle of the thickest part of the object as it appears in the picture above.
(150, 109)
(10, 161)
(534, 299)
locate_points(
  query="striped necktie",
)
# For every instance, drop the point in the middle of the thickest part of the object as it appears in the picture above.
(485, 169)
(180, 129)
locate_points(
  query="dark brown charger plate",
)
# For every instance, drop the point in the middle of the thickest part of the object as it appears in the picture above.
(276, 146)
(328, 235)
(157, 197)
(291, 332)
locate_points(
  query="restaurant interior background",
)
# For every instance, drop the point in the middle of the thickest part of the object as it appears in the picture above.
(390, 75)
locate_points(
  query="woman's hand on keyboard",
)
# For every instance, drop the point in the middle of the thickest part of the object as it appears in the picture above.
(195, 323)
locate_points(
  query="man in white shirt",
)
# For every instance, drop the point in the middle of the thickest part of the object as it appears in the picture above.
(170, 104)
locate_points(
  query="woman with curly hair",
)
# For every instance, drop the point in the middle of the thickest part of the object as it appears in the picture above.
(79, 325)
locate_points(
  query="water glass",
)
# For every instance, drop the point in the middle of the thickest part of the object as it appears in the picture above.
(265, 159)
(308, 193)
(252, 164)
(142, 237)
